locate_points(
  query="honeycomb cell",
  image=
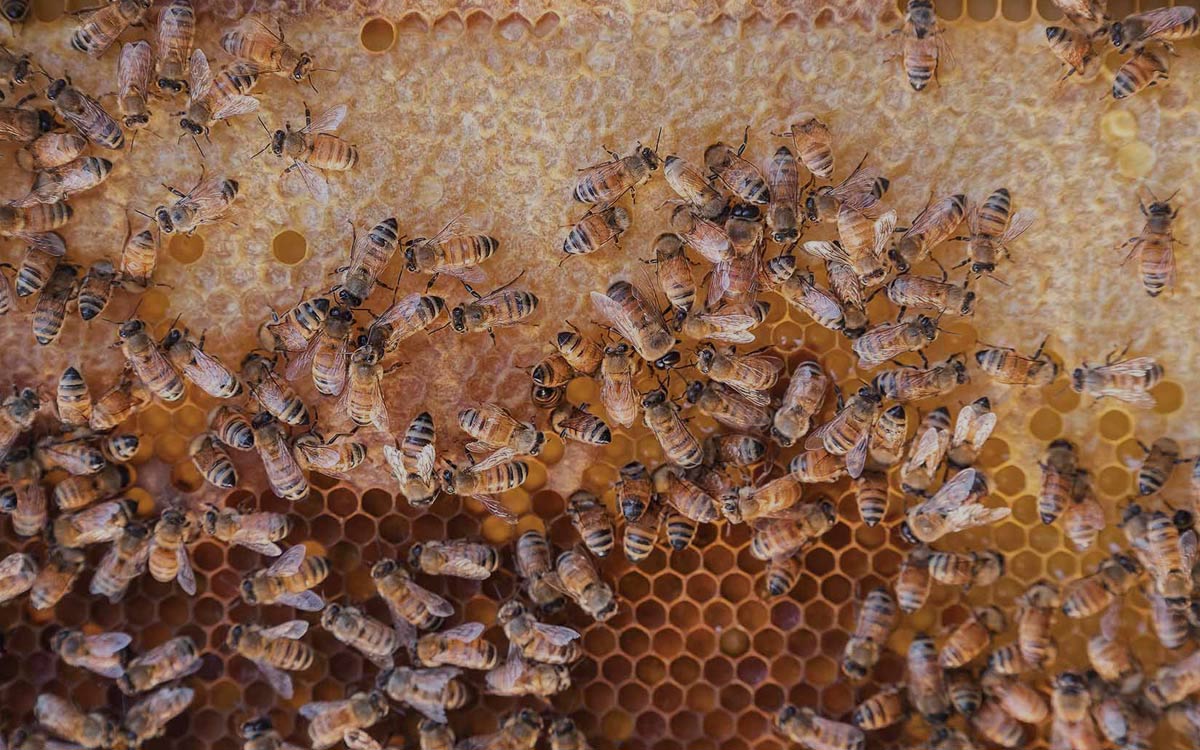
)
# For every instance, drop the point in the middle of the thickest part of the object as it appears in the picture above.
(377, 35)
(186, 249)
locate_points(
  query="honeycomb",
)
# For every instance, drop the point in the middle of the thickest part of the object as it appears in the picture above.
(484, 110)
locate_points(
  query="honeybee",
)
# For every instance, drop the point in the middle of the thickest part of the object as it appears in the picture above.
(503, 307)
(803, 400)
(783, 183)
(253, 41)
(848, 289)
(1174, 682)
(454, 557)
(314, 147)
(703, 235)
(972, 429)
(65, 719)
(967, 569)
(782, 574)
(617, 393)
(292, 331)
(729, 406)
(804, 726)
(577, 423)
(459, 646)
(661, 417)
(582, 354)
(15, 70)
(328, 721)
(63, 567)
(259, 734)
(605, 182)
(964, 691)
(1158, 465)
(254, 531)
(993, 723)
(1017, 699)
(775, 499)
(1146, 68)
(1123, 722)
(29, 126)
(955, 507)
(1128, 380)
(516, 676)
(1155, 245)
(276, 396)
(370, 637)
(36, 224)
(408, 602)
(922, 43)
(936, 223)
(56, 184)
(169, 560)
(641, 534)
(100, 29)
(481, 481)
(690, 185)
(231, 427)
(881, 710)
(862, 240)
(168, 661)
(96, 289)
(823, 307)
(125, 560)
(817, 466)
(430, 691)
(1035, 614)
(742, 178)
(633, 490)
(283, 471)
(28, 504)
(435, 736)
(926, 681)
(1070, 697)
(1006, 366)
(139, 257)
(287, 580)
(535, 566)
(412, 463)
(148, 361)
(876, 621)
(212, 99)
(848, 433)
(450, 253)
(406, 317)
(99, 653)
(927, 453)
(972, 637)
(734, 449)
(129, 396)
(913, 384)
(1162, 24)
(565, 735)
(580, 581)
(889, 340)
(1170, 555)
(326, 355)
(494, 428)
(329, 457)
(595, 230)
(749, 374)
(74, 455)
(630, 310)
(85, 114)
(538, 642)
(206, 203)
(694, 501)
(730, 323)
(103, 522)
(591, 520)
(871, 496)
(51, 309)
(784, 537)
(862, 189)
(42, 256)
(1110, 656)
(929, 293)
(1007, 660)
(7, 293)
(992, 226)
(204, 370)
(18, 571)
(744, 228)
(1076, 51)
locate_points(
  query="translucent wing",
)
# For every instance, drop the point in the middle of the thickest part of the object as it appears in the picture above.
(502, 455)
(464, 568)
(1160, 20)
(884, 226)
(985, 423)
(328, 121)
(289, 562)
(1138, 366)
(313, 180)
(816, 438)
(208, 196)
(1188, 548)
(434, 680)
(206, 367)
(556, 634)
(434, 603)
(758, 398)
(614, 314)
(307, 601)
(278, 679)
(357, 739)
(499, 414)
(735, 321)
(968, 516)
(618, 391)
(827, 250)
(1021, 221)
(292, 630)
(200, 74)
(107, 644)
(395, 462)
(464, 633)
(496, 508)
(425, 462)
(927, 451)
(1110, 623)
(232, 106)
(134, 67)
(112, 672)
(856, 459)
(469, 274)
(270, 549)
(302, 363)
(316, 708)
(952, 494)
(856, 189)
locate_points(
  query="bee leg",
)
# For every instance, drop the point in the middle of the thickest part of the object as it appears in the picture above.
(432, 281)
(1041, 347)
(745, 139)
(492, 335)
(924, 359)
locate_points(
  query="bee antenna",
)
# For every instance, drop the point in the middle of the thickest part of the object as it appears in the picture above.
(197, 142)
(143, 213)
(264, 125)
(264, 148)
(657, 140)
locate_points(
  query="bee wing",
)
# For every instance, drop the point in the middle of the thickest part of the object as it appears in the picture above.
(826, 250)
(328, 121)
(278, 679)
(884, 227)
(727, 321)
(1189, 547)
(926, 220)
(235, 105)
(618, 391)
(308, 601)
(403, 628)
(758, 398)
(134, 67)
(952, 494)
(270, 549)
(968, 516)
(426, 460)
(289, 563)
(579, 422)
(1158, 20)
(816, 438)
(434, 603)
(357, 739)
(469, 274)
(316, 183)
(856, 189)
(11, 565)
(292, 630)
(464, 633)
(856, 459)
(302, 362)
(312, 710)
(926, 450)
(200, 74)
(498, 413)
(107, 644)
(968, 417)
(1138, 366)
(464, 568)
(1110, 623)
(502, 455)
(395, 462)
(1021, 221)
(556, 634)
(185, 576)
(983, 429)
(496, 508)
(614, 314)
(435, 680)
(207, 367)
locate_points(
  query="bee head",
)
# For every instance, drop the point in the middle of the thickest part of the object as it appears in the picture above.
(256, 728)
(248, 594)
(448, 480)
(59, 638)
(870, 393)
(981, 268)
(163, 217)
(236, 633)
(927, 326)
(347, 298)
(414, 555)
(1077, 380)
(8, 500)
(692, 394)
(262, 419)
(509, 611)
(784, 236)
(668, 360)
(131, 328)
(968, 304)
(383, 569)
(810, 207)
(410, 257)
(277, 139)
(787, 714)
(960, 368)
(209, 519)
(458, 319)
(136, 121)
(173, 337)
(56, 88)
(303, 67)
(330, 615)
(45, 121)
(563, 726)
(745, 212)
(649, 157)
(191, 127)
(1183, 519)
(1116, 34)
(538, 443)
(705, 357)
(907, 534)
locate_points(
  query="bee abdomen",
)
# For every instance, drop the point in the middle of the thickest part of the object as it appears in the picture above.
(292, 655)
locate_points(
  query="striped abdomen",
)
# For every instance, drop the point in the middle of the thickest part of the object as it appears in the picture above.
(501, 478)
(1157, 262)
(139, 256)
(994, 214)
(596, 230)
(326, 151)
(462, 251)
(920, 61)
(641, 535)
(154, 369)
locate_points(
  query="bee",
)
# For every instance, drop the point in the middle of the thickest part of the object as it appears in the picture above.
(204, 370)
(692, 500)
(176, 31)
(1146, 68)
(582, 354)
(848, 433)
(535, 566)
(783, 183)
(34, 222)
(953, 508)
(972, 637)
(775, 499)
(17, 413)
(459, 646)
(18, 572)
(1110, 656)
(1007, 660)
(1017, 699)
(848, 289)
(231, 427)
(28, 504)
(929, 293)
(748, 374)
(171, 660)
(119, 448)
(862, 240)
(449, 253)
(744, 228)
(641, 534)
(326, 358)
(817, 466)
(936, 223)
(169, 560)
(876, 621)
(7, 293)
(776, 271)
(734, 449)
(15, 70)
(1076, 51)
(99, 653)
(63, 567)
(56, 184)
(370, 637)
(259, 734)
(435, 736)
(633, 490)
(65, 719)
(803, 726)
(690, 185)
(681, 530)
(408, 316)
(149, 717)
(922, 43)
(992, 722)
(565, 735)
(368, 258)
(1006, 366)
(742, 178)
(335, 459)
(329, 721)
(85, 114)
(77, 492)
(1174, 682)
(314, 147)
(411, 605)
(863, 189)
(103, 522)
(927, 453)
(101, 28)
(733, 286)
(1170, 556)
(617, 393)
(591, 520)
(971, 430)
(1155, 245)
(992, 226)
(822, 306)
(913, 384)
(430, 691)
(538, 642)
(813, 144)
(1070, 697)
(48, 149)
(516, 676)
(481, 481)
(501, 308)
(96, 289)
(1035, 614)
(51, 309)
(630, 310)
(251, 40)
(412, 462)
(784, 537)
(42, 256)
(29, 126)
(881, 710)
(871, 495)
(703, 235)
(595, 230)
(292, 331)
(494, 428)
(728, 406)
(782, 574)
(580, 581)
(966, 569)
(125, 560)
(1158, 465)
(926, 680)
(287, 581)
(1163, 24)
(605, 182)
(1123, 722)
(139, 257)
(577, 423)
(1128, 380)
(454, 557)
(964, 692)
(803, 400)
(889, 340)
(149, 363)
(76, 455)
(661, 417)
(255, 531)
(215, 98)
(276, 396)
(128, 397)
(205, 203)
